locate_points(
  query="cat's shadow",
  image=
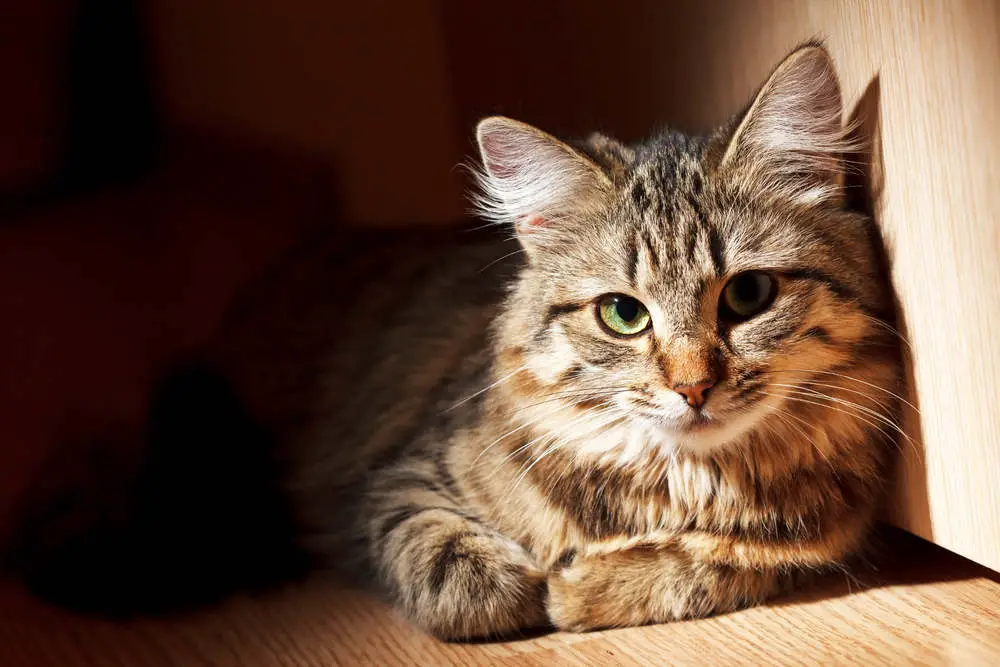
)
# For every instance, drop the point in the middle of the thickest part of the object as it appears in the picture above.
(896, 558)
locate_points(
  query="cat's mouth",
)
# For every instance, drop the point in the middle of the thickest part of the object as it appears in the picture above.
(690, 421)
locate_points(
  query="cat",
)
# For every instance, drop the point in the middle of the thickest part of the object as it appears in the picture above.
(673, 393)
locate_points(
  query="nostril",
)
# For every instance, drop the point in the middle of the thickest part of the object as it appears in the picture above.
(696, 393)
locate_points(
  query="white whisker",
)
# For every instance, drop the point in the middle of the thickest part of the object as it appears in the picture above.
(555, 445)
(485, 389)
(809, 439)
(818, 394)
(601, 410)
(526, 424)
(855, 415)
(600, 393)
(846, 377)
(838, 387)
(891, 329)
(500, 259)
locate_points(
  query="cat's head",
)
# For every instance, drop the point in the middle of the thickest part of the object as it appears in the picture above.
(684, 287)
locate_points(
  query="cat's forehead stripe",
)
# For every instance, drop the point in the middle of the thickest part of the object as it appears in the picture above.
(715, 247)
(632, 265)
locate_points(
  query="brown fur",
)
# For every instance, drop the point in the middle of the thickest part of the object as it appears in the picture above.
(462, 427)
(499, 479)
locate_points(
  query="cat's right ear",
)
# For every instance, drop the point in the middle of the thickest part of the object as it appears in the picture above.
(534, 182)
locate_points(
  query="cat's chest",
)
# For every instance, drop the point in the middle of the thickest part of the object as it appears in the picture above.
(607, 498)
(603, 502)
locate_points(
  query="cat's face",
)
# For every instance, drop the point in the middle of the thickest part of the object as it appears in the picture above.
(693, 316)
(689, 291)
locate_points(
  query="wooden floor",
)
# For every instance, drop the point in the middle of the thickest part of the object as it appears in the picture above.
(920, 605)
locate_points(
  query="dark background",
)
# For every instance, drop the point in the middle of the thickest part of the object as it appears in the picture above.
(154, 155)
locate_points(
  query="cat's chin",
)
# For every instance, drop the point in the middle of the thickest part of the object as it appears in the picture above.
(701, 435)
(703, 438)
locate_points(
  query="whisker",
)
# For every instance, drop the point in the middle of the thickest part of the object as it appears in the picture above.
(555, 445)
(580, 390)
(891, 329)
(786, 413)
(485, 389)
(600, 410)
(523, 426)
(855, 415)
(595, 394)
(832, 386)
(833, 407)
(842, 401)
(500, 259)
(845, 377)
(562, 430)
(485, 225)
(783, 414)
(533, 422)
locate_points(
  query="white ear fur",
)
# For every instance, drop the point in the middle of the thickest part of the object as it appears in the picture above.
(792, 139)
(533, 181)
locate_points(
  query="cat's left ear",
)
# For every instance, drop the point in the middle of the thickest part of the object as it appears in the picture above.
(535, 182)
(792, 140)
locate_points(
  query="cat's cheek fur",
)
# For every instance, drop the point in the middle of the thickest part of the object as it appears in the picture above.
(555, 359)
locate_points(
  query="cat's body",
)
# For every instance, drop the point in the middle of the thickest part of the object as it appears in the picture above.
(493, 436)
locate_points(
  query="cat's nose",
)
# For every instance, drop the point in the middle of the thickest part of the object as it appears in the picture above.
(691, 369)
(695, 393)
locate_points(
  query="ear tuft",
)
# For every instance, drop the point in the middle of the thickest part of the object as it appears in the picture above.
(792, 139)
(533, 181)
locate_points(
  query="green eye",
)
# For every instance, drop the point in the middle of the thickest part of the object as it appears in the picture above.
(622, 314)
(747, 294)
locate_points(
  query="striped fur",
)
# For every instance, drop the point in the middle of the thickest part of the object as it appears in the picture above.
(496, 460)
(457, 424)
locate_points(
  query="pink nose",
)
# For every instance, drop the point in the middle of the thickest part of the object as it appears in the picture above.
(696, 393)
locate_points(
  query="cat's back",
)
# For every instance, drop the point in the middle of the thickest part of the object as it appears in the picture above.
(356, 337)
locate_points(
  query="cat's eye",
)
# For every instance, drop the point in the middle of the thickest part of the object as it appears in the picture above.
(623, 315)
(747, 294)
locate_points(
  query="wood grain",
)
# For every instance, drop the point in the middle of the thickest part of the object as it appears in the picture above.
(923, 605)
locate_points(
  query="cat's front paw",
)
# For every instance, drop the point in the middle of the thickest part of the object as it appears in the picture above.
(613, 589)
(581, 595)
(566, 607)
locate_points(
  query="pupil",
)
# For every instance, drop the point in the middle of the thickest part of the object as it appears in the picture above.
(627, 309)
(746, 289)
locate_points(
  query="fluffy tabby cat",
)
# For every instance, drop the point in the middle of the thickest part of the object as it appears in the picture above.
(676, 398)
